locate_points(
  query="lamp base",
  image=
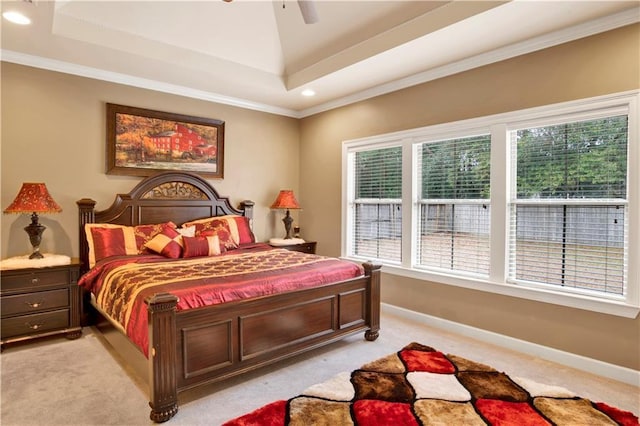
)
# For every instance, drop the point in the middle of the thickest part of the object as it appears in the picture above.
(288, 220)
(35, 230)
(36, 255)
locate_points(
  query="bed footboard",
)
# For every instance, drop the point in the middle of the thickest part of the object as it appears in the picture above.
(205, 345)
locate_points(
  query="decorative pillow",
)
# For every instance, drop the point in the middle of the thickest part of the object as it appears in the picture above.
(167, 243)
(243, 226)
(215, 227)
(187, 231)
(201, 246)
(237, 227)
(106, 240)
(223, 234)
(145, 233)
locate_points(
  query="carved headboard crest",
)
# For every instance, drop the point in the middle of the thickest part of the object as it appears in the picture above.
(175, 191)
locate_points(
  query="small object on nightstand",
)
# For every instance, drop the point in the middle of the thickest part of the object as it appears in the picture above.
(285, 242)
(34, 198)
(39, 302)
(22, 262)
(286, 200)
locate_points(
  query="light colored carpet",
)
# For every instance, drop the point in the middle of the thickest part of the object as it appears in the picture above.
(60, 382)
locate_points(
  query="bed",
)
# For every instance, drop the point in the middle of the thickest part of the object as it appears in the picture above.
(185, 348)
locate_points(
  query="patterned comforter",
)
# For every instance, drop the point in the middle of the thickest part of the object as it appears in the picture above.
(121, 284)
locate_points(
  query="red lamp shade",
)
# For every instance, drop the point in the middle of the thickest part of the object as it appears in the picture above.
(285, 200)
(33, 198)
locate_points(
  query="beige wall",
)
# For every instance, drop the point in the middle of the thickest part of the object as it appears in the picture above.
(598, 65)
(54, 131)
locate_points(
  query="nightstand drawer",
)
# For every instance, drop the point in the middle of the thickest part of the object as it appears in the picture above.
(35, 323)
(35, 279)
(308, 247)
(34, 302)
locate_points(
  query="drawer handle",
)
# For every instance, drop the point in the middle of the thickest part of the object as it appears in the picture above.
(34, 326)
(34, 304)
(35, 280)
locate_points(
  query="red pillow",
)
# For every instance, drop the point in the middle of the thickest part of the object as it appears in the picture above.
(215, 227)
(201, 246)
(145, 233)
(167, 243)
(106, 240)
(232, 230)
(243, 226)
(223, 235)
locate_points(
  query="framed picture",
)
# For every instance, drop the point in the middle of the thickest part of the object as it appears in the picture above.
(141, 142)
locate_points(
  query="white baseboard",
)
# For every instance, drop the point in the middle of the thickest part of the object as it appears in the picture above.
(611, 371)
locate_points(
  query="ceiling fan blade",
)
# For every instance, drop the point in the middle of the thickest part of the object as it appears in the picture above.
(308, 10)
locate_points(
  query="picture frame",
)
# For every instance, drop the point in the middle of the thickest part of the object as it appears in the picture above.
(141, 142)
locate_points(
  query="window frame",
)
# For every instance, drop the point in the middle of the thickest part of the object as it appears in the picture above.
(501, 182)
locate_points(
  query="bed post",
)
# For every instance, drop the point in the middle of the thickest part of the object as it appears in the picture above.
(86, 208)
(247, 207)
(163, 387)
(373, 312)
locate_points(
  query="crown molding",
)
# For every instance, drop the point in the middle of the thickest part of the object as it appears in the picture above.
(611, 22)
(143, 83)
(566, 35)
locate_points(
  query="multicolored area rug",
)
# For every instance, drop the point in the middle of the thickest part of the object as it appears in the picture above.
(421, 386)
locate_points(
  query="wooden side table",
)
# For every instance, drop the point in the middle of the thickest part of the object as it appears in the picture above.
(306, 247)
(39, 302)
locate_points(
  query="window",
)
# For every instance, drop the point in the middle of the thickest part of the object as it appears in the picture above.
(376, 207)
(569, 205)
(454, 204)
(541, 204)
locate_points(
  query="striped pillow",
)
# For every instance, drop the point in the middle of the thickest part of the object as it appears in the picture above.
(201, 246)
(107, 240)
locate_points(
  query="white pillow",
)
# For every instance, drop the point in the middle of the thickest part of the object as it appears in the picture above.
(187, 231)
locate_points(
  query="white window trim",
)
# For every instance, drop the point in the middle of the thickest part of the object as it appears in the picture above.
(498, 125)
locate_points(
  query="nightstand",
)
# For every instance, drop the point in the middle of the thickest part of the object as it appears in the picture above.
(306, 247)
(39, 302)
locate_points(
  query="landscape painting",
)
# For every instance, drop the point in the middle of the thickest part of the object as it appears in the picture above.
(141, 142)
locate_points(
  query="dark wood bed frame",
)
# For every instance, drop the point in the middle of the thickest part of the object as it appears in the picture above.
(200, 346)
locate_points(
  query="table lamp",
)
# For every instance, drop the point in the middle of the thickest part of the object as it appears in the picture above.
(34, 198)
(286, 200)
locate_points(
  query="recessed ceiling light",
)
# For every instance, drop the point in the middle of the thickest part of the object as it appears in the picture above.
(308, 92)
(16, 18)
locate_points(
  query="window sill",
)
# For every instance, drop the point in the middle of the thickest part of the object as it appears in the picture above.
(578, 301)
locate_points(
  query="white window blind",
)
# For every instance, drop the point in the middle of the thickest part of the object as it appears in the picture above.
(377, 204)
(454, 204)
(569, 205)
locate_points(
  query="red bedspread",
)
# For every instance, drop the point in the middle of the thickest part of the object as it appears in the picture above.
(121, 284)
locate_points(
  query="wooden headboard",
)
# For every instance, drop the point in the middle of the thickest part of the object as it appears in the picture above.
(168, 196)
